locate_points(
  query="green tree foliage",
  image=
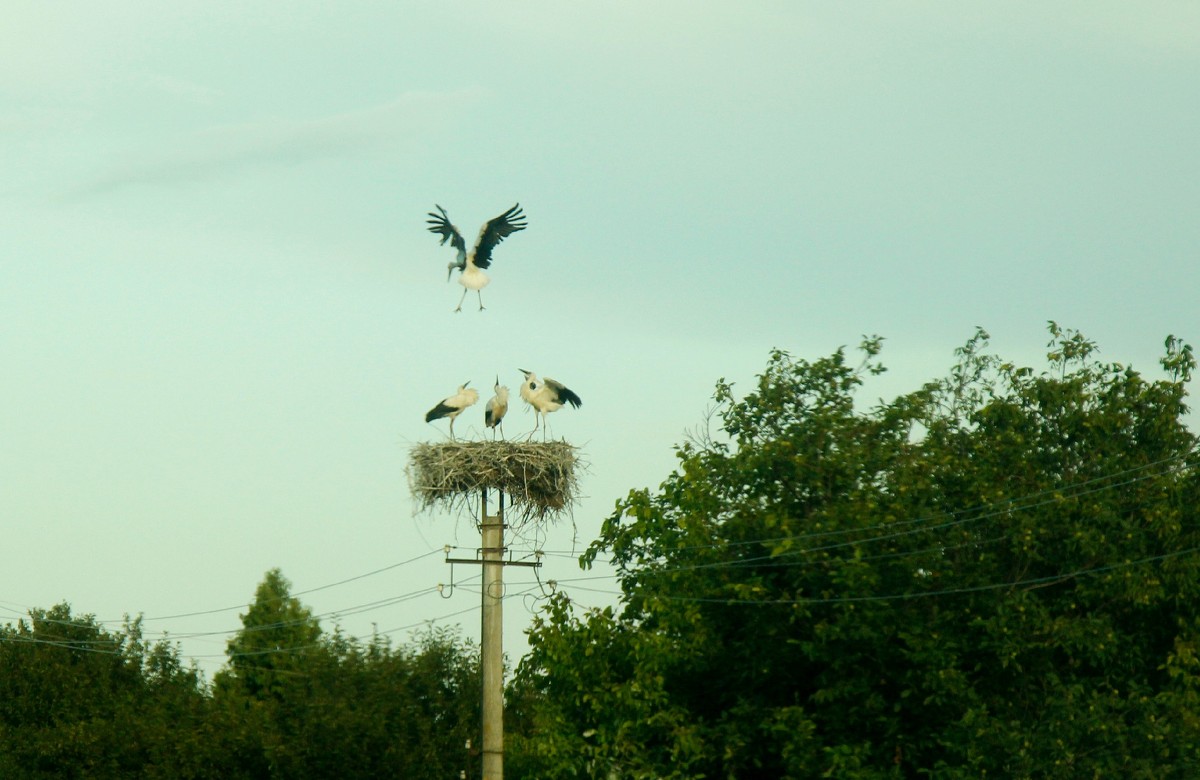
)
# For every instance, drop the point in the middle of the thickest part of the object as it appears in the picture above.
(80, 701)
(995, 575)
(278, 636)
(295, 702)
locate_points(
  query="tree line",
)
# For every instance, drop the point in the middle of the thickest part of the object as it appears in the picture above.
(80, 701)
(993, 575)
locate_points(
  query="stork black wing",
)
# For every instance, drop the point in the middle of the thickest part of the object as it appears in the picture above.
(565, 394)
(441, 224)
(495, 231)
(439, 411)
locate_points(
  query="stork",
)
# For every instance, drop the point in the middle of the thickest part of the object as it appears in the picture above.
(545, 396)
(497, 407)
(453, 406)
(470, 266)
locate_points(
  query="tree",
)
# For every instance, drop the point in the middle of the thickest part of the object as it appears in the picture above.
(78, 700)
(994, 575)
(278, 634)
(296, 702)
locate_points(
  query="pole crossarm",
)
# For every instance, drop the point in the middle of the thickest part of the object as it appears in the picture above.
(480, 561)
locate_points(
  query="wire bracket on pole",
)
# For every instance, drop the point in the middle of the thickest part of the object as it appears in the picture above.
(478, 559)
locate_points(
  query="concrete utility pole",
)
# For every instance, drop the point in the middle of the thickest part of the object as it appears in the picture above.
(491, 649)
(540, 481)
(491, 645)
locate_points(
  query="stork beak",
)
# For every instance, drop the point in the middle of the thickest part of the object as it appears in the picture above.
(523, 371)
(449, 271)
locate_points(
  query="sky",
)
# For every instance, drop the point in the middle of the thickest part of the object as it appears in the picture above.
(222, 319)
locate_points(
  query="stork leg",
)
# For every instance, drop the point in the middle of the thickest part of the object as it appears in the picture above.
(451, 428)
(480, 294)
(460, 301)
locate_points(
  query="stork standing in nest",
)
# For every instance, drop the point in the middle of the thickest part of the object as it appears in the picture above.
(545, 396)
(470, 266)
(497, 407)
(453, 406)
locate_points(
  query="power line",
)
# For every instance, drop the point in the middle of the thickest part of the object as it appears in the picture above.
(997, 509)
(948, 591)
(1060, 577)
(27, 611)
(414, 559)
(973, 514)
(369, 606)
(119, 641)
(84, 645)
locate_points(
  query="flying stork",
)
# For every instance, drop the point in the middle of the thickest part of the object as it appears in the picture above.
(453, 406)
(497, 407)
(545, 396)
(470, 266)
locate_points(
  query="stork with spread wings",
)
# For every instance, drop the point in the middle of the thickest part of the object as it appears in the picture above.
(471, 265)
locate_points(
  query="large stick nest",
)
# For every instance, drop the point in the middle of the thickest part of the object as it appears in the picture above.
(537, 478)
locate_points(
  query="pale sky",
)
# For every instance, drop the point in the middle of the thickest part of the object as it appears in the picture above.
(223, 319)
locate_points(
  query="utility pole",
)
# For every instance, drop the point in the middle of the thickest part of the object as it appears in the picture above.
(491, 648)
(493, 558)
(539, 478)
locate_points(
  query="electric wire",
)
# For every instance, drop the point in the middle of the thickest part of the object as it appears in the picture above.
(1008, 584)
(952, 591)
(973, 514)
(997, 509)
(772, 561)
(414, 559)
(85, 644)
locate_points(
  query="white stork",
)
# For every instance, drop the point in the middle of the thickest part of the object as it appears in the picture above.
(470, 266)
(453, 406)
(545, 396)
(497, 407)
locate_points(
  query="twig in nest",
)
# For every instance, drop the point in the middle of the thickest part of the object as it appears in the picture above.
(538, 478)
